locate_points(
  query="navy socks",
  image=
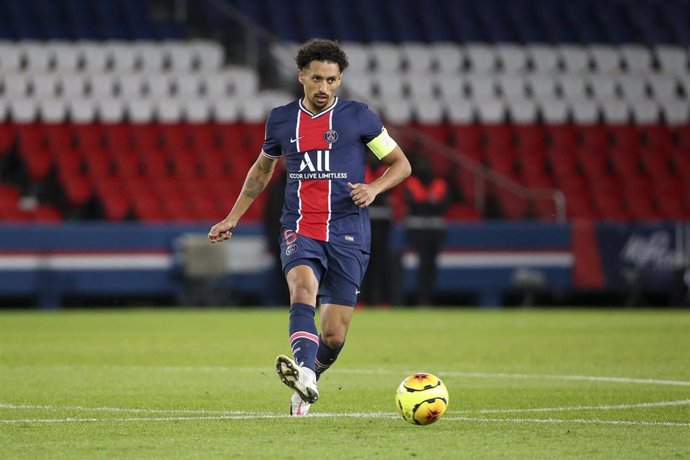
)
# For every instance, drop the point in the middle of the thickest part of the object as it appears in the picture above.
(303, 334)
(325, 356)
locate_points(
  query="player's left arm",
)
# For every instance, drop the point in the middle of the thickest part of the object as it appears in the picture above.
(398, 170)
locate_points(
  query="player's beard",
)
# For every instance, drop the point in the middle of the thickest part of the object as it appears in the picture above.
(321, 100)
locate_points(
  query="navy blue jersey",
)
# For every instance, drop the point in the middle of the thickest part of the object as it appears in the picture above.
(324, 152)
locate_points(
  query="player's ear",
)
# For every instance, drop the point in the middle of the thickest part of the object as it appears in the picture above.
(300, 76)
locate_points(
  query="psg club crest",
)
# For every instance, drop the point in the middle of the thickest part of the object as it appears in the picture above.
(330, 136)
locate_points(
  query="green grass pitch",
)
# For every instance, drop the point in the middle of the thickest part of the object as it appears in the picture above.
(200, 384)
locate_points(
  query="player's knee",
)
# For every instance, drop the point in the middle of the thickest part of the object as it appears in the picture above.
(333, 338)
(303, 293)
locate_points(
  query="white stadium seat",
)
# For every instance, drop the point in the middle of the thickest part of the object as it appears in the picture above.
(672, 59)
(542, 85)
(360, 85)
(603, 86)
(274, 98)
(102, 85)
(397, 112)
(646, 112)
(676, 112)
(663, 87)
(389, 86)
(65, 56)
(460, 111)
(481, 86)
(215, 85)
(82, 110)
(44, 85)
(168, 110)
(512, 58)
(140, 110)
(245, 81)
(208, 55)
(15, 85)
(187, 85)
(359, 57)
(158, 85)
(584, 111)
(417, 57)
(131, 85)
(225, 110)
(448, 57)
(480, 57)
(53, 110)
(450, 86)
(386, 57)
(523, 111)
(180, 56)
(554, 110)
(94, 58)
(197, 110)
(251, 112)
(511, 86)
(10, 58)
(544, 58)
(72, 85)
(36, 55)
(606, 59)
(419, 85)
(632, 86)
(24, 110)
(491, 111)
(149, 56)
(572, 87)
(637, 59)
(428, 111)
(615, 111)
(574, 59)
(111, 110)
(122, 55)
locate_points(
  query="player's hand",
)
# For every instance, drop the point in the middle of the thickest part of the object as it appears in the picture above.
(221, 231)
(362, 194)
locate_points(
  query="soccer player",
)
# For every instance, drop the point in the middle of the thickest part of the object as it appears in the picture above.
(325, 222)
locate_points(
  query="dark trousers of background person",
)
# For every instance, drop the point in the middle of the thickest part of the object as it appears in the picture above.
(427, 243)
(376, 285)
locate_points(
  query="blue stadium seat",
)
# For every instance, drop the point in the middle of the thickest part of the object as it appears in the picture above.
(465, 21)
(527, 27)
(23, 20)
(347, 24)
(434, 21)
(313, 25)
(553, 20)
(282, 20)
(51, 18)
(405, 21)
(375, 18)
(81, 20)
(497, 22)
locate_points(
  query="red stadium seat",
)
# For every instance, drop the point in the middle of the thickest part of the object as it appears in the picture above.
(594, 163)
(46, 214)
(7, 136)
(467, 139)
(38, 161)
(625, 136)
(88, 136)
(625, 161)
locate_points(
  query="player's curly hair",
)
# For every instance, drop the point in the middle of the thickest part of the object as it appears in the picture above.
(321, 49)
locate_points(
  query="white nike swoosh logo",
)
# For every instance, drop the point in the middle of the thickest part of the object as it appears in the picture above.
(292, 141)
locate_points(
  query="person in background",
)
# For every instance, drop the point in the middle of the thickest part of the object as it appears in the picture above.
(427, 198)
(376, 287)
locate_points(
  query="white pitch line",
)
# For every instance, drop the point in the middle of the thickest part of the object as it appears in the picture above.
(127, 410)
(682, 402)
(346, 415)
(481, 375)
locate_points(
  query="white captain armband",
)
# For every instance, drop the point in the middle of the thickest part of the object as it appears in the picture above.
(382, 145)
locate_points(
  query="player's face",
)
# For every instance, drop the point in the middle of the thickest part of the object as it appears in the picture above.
(320, 79)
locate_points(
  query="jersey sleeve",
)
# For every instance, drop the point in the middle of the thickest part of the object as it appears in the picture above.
(374, 135)
(271, 147)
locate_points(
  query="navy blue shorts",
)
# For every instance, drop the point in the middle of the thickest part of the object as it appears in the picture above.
(339, 269)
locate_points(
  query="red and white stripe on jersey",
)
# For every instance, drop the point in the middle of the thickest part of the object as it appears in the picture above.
(314, 195)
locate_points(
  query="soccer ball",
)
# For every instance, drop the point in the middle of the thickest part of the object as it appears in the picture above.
(421, 399)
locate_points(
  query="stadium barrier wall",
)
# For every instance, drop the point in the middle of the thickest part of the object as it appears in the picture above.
(48, 264)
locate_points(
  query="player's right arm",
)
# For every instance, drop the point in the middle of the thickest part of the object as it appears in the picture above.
(257, 178)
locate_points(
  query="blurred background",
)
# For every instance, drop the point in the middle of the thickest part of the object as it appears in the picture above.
(550, 140)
